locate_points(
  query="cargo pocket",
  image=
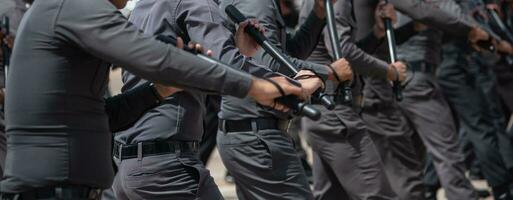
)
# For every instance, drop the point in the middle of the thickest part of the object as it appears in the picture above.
(202, 184)
(330, 124)
(162, 177)
(253, 156)
(194, 177)
(281, 152)
(135, 175)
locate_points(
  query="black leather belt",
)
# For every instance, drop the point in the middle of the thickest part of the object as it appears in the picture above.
(144, 149)
(65, 192)
(421, 66)
(246, 125)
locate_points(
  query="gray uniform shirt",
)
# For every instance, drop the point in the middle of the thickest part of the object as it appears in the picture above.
(298, 46)
(14, 9)
(58, 131)
(426, 45)
(180, 117)
(362, 62)
(420, 11)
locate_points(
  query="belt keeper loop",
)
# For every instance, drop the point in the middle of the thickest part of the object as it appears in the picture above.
(120, 151)
(195, 146)
(254, 126)
(178, 148)
(59, 193)
(139, 151)
(223, 126)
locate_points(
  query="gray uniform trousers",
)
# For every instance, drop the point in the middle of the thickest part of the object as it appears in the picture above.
(264, 165)
(346, 163)
(488, 83)
(3, 142)
(180, 176)
(394, 139)
(460, 81)
(430, 114)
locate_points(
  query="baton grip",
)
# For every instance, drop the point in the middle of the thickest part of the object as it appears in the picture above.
(238, 17)
(300, 108)
(398, 91)
(324, 100)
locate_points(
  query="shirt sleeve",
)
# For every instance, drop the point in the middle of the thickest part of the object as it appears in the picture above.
(205, 25)
(98, 28)
(305, 38)
(361, 62)
(264, 12)
(454, 23)
(126, 108)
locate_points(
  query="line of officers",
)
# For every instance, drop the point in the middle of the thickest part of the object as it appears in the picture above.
(59, 127)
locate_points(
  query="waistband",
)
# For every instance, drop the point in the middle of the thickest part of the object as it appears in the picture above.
(144, 149)
(421, 66)
(256, 124)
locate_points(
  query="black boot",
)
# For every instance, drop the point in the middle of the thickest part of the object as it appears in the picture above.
(482, 193)
(229, 178)
(502, 193)
(430, 193)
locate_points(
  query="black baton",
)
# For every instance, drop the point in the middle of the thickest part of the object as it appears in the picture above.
(332, 30)
(297, 106)
(396, 84)
(238, 18)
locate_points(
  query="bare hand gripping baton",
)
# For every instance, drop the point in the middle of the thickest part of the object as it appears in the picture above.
(500, 24)
(238, 18)
(332, 30)
(393, 56)
(297, 106)
(491, 27)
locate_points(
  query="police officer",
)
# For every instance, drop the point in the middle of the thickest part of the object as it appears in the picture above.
(421, 109)
(253, 143)
(158, 156)
(56, 119)
(465, 77)
(346, 162)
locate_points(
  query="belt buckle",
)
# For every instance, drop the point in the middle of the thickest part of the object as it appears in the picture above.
(195, 146)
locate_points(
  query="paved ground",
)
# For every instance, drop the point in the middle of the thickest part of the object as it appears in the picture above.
(217, 168)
